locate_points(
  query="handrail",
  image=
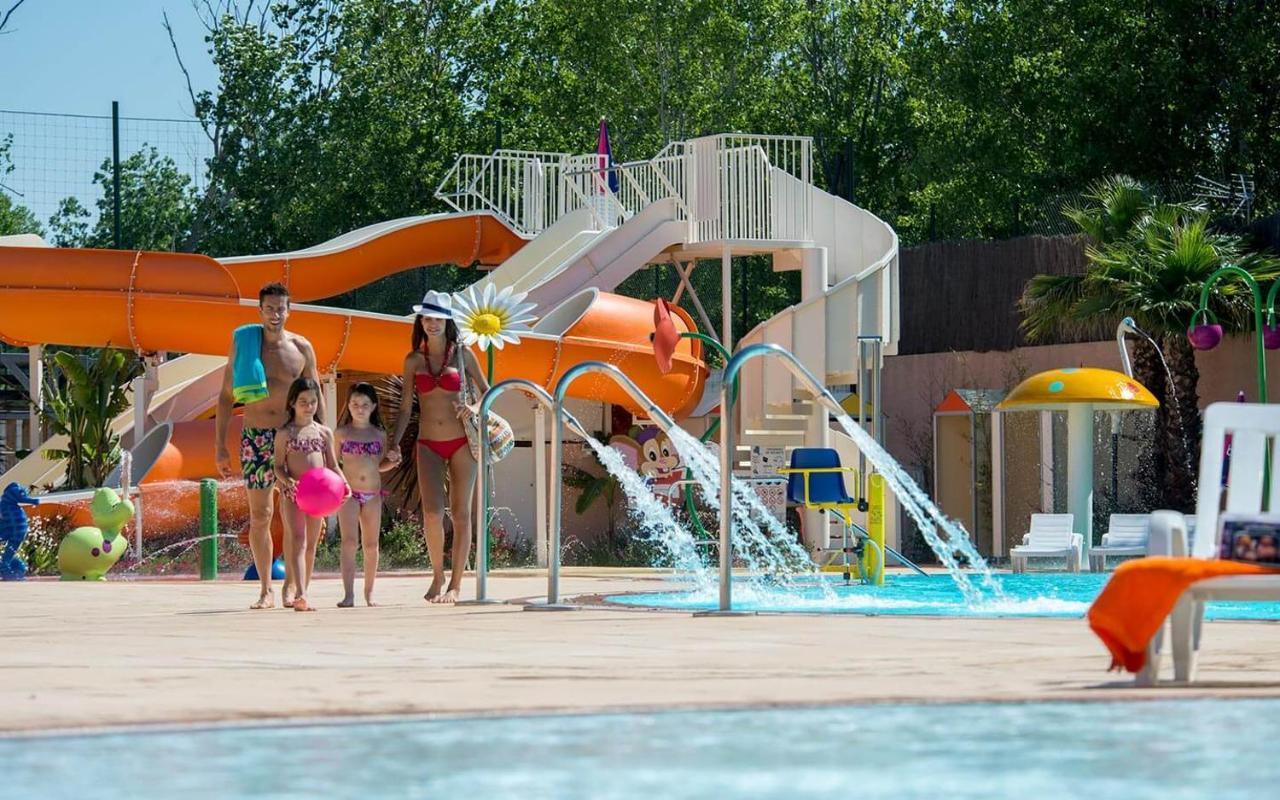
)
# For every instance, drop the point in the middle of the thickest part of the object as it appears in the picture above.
(654, 413)
(903, 560)
(486, 403)
(734, 366)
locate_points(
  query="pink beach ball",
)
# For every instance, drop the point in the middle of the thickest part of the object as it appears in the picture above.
(321, 492)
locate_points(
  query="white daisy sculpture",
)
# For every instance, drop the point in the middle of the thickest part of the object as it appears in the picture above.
(491, 318)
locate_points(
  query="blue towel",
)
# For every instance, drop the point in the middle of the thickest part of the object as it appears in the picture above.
(248, 377)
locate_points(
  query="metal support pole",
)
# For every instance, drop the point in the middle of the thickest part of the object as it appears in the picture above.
(483, 486)
(726, 298)
(647, 406)
(35, 382)
(115, 174)
(540, 483)
(821, 397)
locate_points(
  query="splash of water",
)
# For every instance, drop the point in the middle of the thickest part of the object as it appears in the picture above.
(657, 523)
(773, 555)
(1177, 412)
(928, 518)
(181, 547)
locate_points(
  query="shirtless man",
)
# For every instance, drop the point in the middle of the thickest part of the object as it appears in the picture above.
(285, 357)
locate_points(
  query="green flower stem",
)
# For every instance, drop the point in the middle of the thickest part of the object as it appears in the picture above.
(1249, 281)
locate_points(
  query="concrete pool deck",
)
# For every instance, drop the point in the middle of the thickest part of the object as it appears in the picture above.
(79, 656)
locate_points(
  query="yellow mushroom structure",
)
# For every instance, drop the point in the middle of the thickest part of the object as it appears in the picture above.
(1079, 392)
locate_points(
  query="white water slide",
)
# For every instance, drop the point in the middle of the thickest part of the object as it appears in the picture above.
(708, 198)
(745, 194)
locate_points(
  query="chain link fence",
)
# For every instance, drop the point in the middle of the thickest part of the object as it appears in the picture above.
(55, 156)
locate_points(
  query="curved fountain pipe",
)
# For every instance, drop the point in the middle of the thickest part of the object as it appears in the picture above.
(1127, 325)
(486, 403)
(656, 414)
(731, 371)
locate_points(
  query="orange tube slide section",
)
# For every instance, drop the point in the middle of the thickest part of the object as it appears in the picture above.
(353, 260)
(187, 303)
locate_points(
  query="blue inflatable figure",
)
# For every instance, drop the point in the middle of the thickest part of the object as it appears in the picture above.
(13, 529)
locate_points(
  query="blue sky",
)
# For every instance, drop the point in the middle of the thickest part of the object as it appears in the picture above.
(76, 56)
(73, 57)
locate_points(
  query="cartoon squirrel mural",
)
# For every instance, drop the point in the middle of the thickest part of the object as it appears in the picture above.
(652, 454)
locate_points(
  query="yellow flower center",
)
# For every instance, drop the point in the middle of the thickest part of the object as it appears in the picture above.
(487, 324)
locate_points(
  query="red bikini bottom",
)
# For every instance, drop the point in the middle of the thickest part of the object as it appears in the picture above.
(445, 448)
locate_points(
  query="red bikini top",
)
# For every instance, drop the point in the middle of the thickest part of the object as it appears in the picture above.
(448, 378)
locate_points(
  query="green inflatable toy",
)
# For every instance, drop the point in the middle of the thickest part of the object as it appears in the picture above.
(87, 553)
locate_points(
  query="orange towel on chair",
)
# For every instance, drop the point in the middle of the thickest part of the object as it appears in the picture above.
(1141, 594)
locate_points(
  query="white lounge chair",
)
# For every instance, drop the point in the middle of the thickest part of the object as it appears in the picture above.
(1051, 536)
(1252, 425)
(1126, 535)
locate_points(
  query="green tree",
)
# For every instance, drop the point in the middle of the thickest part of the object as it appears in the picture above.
(80, 402)
(157, 205)
(69, 225)
(1149, 260)
(14, 218)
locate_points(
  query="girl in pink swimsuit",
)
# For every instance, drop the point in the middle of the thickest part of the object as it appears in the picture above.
(301, 445)
(364, 455)
(432, 377)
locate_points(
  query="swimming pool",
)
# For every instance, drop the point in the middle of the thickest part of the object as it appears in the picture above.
(1152, 749)
(1027, 595)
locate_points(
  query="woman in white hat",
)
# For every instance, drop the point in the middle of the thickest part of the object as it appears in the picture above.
(431, 374)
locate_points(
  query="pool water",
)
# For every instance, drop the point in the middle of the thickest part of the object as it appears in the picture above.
(1223, 749)
(1026, 595)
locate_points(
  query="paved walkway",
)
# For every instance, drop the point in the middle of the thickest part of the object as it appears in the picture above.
(77, 655)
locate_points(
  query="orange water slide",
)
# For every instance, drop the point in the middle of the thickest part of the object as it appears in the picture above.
(188, 303)
(148, 301)
(375, 251)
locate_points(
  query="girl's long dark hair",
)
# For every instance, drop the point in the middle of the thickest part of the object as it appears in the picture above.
(366, 389)
(420, 336)
(299, 386)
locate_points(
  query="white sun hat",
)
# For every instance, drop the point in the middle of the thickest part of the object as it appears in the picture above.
(435, 304)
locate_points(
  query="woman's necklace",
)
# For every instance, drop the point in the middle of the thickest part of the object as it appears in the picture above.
(444, 363)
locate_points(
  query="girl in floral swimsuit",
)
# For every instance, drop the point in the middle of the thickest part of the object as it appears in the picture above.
(432, 376)
(363, 451)
(302, 445)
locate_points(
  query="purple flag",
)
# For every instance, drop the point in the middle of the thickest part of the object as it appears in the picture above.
(604, 155)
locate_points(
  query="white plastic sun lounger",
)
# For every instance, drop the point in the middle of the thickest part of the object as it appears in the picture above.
(1252, 426)
(1051, 536)
(1126, 535)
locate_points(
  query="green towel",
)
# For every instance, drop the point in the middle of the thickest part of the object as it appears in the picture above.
(248, 377)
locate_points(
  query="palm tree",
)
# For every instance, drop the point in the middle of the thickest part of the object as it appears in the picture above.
(1148, 259)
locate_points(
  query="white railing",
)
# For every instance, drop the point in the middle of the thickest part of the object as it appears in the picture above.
(617, 193)
(521, 187)
(728, 186)
(734, 192)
